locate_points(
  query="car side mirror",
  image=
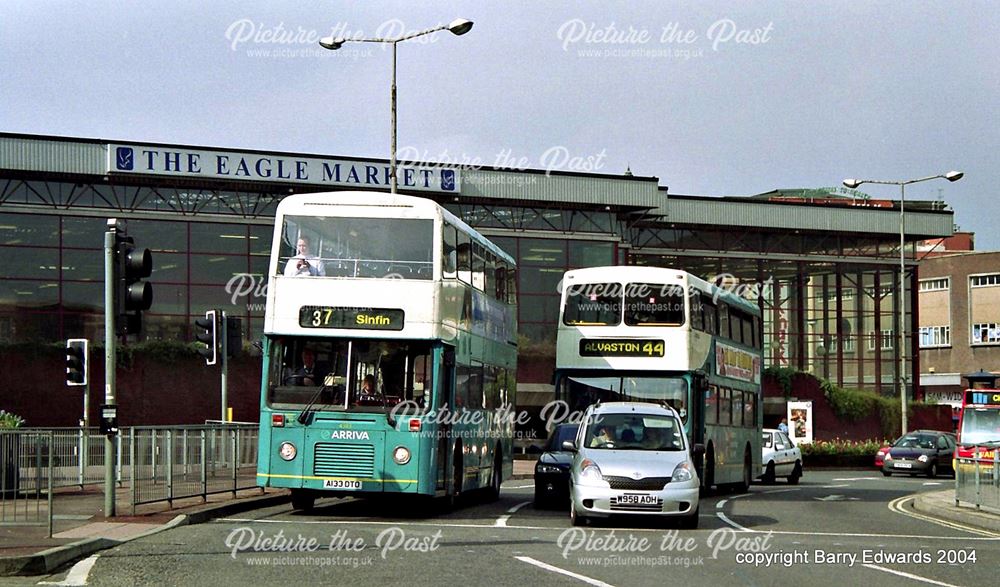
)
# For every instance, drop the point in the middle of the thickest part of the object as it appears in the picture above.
(569, 445)
(698, 449)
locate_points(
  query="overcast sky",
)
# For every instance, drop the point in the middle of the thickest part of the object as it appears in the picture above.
(713, 98)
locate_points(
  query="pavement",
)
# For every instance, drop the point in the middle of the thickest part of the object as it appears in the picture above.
(80, 528)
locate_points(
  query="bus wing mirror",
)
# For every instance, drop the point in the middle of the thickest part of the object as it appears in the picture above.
(698, 449)
(569, 446)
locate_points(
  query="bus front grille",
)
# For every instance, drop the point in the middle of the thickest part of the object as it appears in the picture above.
(335, 459)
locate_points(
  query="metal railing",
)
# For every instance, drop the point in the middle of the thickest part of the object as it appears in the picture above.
(154, 463)
(977, 479)
(26, 478)
(170, 463)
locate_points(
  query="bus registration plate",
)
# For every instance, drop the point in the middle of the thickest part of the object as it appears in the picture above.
(637, 499)
(340, 484)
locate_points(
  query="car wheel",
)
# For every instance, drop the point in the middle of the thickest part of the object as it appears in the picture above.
(575, 518)
(769, 473)
(690, 522)
(793, 479)
(302, 500)
(887, 473)
(932, 471)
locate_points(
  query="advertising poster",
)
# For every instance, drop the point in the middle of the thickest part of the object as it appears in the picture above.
(800, 422)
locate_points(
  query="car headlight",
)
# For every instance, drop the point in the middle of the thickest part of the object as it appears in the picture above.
(888, 456)
(547, 469)
(923, 458)
(590, 473)
(287, 451)
(401, 455)
(682, 472)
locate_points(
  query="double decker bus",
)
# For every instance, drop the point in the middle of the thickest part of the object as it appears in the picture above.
(653, 334)
(389, 351)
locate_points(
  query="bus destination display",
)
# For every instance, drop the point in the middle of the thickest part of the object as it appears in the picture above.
(620, 347)
(353, 318)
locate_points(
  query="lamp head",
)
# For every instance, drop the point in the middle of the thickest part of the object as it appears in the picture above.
(331, 43)
(852, 183)
(953, 175)
(460, 26)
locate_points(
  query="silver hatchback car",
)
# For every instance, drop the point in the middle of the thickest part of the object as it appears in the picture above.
(634, 459)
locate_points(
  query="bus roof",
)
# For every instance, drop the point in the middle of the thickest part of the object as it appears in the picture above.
(329, 202)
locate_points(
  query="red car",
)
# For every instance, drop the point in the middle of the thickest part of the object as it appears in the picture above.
(880, 455)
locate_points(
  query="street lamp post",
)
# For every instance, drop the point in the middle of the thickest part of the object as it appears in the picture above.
(853, 184)
(459, 26)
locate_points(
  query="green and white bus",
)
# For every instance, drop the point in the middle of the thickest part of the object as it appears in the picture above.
(389, 351)
(631, 333)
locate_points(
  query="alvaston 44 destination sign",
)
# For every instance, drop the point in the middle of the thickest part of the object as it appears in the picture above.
(620, 347)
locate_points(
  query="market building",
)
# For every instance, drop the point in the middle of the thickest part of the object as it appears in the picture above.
(822, 264)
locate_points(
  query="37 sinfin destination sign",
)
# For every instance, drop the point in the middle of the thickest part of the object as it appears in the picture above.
(351, 318)
(235, 165)
(620, 347)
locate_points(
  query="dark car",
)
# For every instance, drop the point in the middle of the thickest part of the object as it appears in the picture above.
(552, 468)
(920, 451)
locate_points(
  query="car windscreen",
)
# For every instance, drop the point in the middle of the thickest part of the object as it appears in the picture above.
(562, 433)
(635, 431)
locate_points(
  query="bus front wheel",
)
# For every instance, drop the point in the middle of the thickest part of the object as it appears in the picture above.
(303, 500)
(496, 476)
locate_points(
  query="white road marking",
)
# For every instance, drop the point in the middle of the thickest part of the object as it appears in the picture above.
(835, 486)
(519, 486)
(908, 575)
(726, 520)
(502, 520)
(854, 479)
(548, 567)
(77, 575)
(896, 505)
(719, 505)
(932, 483)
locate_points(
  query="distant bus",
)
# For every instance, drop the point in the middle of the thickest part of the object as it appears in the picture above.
(979, 424)
(389, 349)
(652, 334)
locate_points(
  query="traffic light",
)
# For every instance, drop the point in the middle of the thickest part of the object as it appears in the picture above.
(132, 295)
(76, 361)
(234, 336)
(209, 334)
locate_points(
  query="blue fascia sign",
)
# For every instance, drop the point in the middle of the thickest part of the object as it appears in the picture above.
(210, 164)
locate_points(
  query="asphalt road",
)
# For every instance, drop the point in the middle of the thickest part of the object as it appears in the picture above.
(834, 528)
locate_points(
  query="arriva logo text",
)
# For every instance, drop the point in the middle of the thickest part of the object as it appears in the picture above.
(349, 435)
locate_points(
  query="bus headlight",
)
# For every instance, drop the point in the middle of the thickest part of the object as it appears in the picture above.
(401, 455)
(287, 451)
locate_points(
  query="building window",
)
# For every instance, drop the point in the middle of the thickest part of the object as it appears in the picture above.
(935, 336)
(988, 333)
(940, 284)
(847, 343)
(885, 337)
(992, 279)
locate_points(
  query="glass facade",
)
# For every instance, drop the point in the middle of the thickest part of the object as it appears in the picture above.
(52, 284)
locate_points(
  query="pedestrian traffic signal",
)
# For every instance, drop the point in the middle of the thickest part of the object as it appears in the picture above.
(132, 295)
(208, 333)
(234, 336)
(76, 361)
